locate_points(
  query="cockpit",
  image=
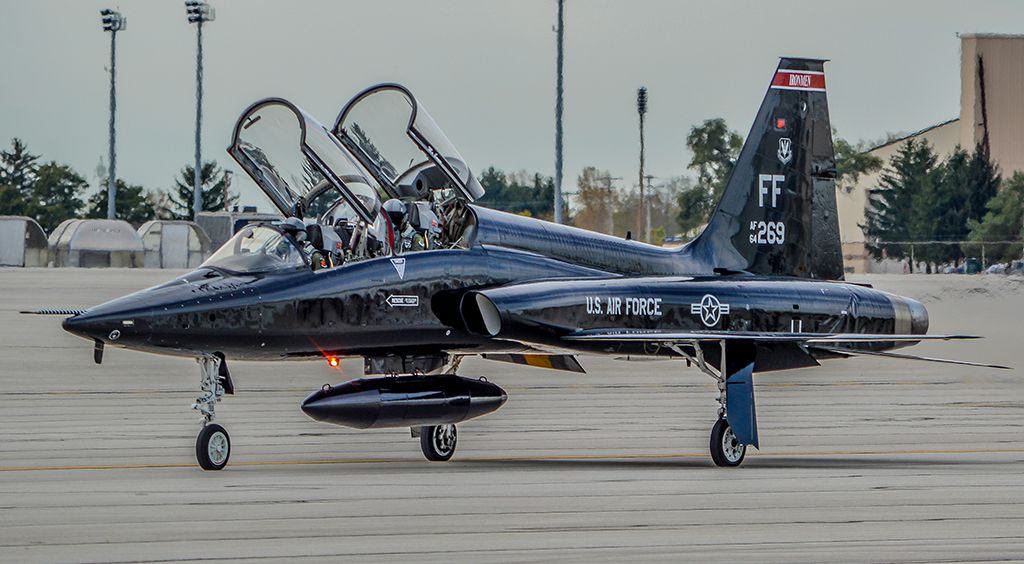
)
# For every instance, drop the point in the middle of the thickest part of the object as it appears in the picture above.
(384, 180)
(258, 248)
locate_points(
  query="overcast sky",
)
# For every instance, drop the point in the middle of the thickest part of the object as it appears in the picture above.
(484, 68)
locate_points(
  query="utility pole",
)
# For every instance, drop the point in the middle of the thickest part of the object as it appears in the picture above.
(558, 112)
(647, 209)
(113, 22)
(611, 200)
(198, 12)
(641, 108)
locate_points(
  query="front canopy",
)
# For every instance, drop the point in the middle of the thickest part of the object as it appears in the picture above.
(299, 164)
(400, 144)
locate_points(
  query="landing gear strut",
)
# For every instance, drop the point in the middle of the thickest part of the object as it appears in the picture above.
(213, 445)
(726, 448)
(438, 442)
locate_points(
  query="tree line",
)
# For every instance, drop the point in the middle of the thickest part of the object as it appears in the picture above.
(920, 197)
(51, 192)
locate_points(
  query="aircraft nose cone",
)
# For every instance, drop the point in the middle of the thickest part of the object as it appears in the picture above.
(82, 325)
(918, 317)
(98, 325)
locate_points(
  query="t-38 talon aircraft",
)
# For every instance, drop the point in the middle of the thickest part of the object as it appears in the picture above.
(382, 254)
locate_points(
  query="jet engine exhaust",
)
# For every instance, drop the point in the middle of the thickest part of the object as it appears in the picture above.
(404, 401)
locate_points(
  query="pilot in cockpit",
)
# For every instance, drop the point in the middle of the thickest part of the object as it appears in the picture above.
(415, 223)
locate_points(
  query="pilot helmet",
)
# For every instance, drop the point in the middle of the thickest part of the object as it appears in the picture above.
(397, 213)
(294, 227)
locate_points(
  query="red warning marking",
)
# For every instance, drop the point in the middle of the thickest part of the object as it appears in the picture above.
(811, 81)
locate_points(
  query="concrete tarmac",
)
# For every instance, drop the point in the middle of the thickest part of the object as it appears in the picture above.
(862, 460)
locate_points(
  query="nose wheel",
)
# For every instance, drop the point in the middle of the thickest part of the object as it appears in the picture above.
(213, 447)
(726, 450)
(438, 442)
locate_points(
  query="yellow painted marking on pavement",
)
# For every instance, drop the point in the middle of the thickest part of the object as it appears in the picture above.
(649, 456)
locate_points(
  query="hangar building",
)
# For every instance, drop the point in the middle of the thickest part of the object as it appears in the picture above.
(991, 114)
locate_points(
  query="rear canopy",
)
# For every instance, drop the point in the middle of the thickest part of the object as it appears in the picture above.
(395, 138)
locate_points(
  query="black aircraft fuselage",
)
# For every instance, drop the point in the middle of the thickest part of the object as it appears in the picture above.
(376, 308)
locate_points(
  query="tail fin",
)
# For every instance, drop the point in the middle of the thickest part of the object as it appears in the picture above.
(777, 215)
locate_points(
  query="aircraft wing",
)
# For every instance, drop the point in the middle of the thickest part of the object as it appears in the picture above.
(854, 352)
(820, 341)
(765, 337)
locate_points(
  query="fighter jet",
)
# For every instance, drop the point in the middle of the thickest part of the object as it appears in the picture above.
(381, 253)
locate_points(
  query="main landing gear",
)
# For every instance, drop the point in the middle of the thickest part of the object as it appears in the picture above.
(438, 442)
(728, 445)
(726, 449)
(213, 445)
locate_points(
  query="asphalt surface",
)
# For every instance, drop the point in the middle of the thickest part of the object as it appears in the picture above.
(862, 460)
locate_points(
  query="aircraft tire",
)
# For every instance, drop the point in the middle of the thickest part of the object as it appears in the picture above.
(725, 450)
(438, 442)
(213, 447)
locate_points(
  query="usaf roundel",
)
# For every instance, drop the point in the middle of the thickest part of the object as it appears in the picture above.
(710, 310)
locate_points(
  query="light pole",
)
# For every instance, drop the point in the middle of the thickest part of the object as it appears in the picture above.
(198, 12)
(558, 113)
(112, 22)
(647, 208)
(641, 108)
(611, 201)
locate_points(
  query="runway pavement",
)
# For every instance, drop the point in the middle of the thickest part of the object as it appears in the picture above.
(862, 460)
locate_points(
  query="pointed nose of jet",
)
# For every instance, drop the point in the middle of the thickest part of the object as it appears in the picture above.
(87, 326)
(112, 322)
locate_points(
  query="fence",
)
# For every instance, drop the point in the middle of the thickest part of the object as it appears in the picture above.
(937, 255)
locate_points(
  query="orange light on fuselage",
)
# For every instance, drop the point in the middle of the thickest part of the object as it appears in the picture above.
(333, 361)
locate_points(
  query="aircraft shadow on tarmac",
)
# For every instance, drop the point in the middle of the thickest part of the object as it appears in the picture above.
(773, 462)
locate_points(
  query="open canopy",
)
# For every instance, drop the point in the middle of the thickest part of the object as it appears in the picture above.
(300, 165)
(401, 145)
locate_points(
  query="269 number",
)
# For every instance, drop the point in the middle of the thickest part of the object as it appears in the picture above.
(767, 232)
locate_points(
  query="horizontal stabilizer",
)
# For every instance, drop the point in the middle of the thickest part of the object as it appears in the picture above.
(809, 338)
(565, 362)
(910, 357)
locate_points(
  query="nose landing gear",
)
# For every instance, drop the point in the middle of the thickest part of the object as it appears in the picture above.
(213, 445)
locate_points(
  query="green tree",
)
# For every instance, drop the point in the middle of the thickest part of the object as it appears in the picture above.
(715, 149)
(1004, 220)
(134, 204)
(18, 174)
(520, 192)
(968, 182)
(895, 208)
(852, 162)
(56, 195)
(212, 179)
(595, 203)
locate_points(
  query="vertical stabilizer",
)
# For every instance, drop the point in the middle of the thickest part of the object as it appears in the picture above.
(777, 215)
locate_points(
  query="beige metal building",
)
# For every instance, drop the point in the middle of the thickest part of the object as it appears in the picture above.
(991, 114)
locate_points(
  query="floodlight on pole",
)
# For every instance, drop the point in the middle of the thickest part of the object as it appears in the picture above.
(641, 108)
(113, 22)
(198, 12)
